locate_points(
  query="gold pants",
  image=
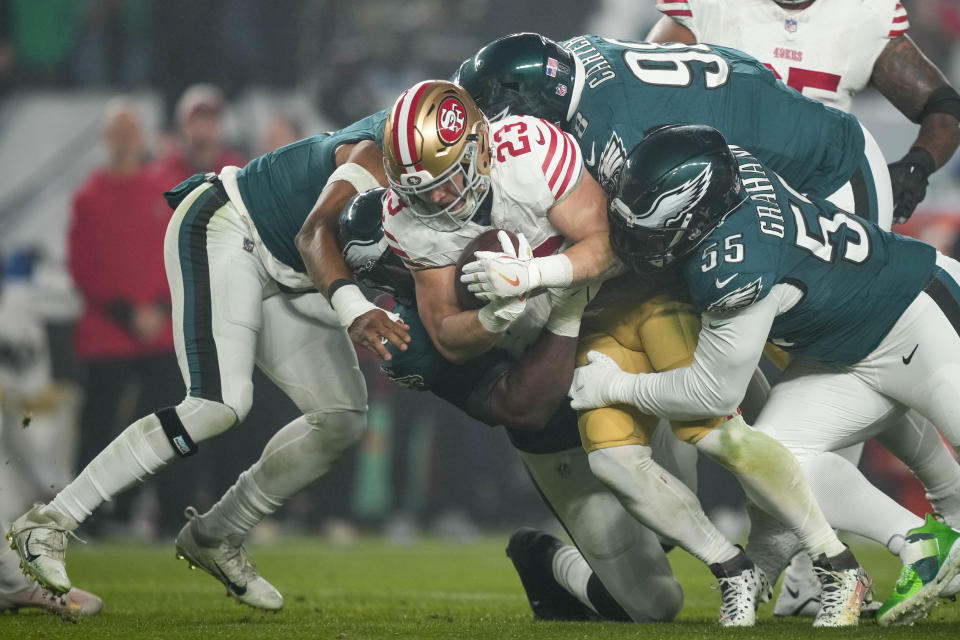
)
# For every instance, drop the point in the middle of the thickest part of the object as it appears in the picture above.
(657, 335)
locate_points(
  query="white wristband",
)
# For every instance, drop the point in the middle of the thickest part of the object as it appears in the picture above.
(350, 303)
(555, 271)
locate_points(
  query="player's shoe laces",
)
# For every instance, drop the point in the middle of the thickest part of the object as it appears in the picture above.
(742, 588)
(226, 560)
(74, 604)
(532, 552)
(40, 538)
(932, 558)
(843, 587)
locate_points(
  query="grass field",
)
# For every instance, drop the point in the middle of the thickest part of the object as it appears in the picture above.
(375, 590)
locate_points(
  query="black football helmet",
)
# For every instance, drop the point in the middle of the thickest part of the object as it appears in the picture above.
(676, 185)
(366, 252)
(521, 74)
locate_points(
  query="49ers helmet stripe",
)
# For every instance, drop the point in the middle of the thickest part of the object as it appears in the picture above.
(404, 123)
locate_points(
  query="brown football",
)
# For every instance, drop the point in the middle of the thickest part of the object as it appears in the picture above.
(486, 241)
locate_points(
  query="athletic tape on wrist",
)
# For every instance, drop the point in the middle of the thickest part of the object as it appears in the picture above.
(555, 271)
(350, 303)
(361, 179)
(490, 321)
(183, 445)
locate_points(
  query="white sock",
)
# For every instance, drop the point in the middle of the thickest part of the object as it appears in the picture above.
(660, 501)
(770, 544)
(851, 503)
(295, 456)
(917, 443)
(573, 573)
(137, 453)
(773, 481)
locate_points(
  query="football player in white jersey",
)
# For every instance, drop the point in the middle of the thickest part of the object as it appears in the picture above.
(830, 50)
(450, 179)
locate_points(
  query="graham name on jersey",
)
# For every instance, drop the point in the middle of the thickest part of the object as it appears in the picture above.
(757, 184)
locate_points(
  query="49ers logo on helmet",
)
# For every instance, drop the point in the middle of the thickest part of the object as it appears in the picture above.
(451, 120)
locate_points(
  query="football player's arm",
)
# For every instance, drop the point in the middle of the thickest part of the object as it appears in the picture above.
(581, 217)
(458, 335)
(920, 91)
(531, 391)
(667, 29)
(729, 347)
(317, 242)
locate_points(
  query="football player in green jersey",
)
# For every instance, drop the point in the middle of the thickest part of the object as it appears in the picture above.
(872, 318)
(609, 93)
(248, 253)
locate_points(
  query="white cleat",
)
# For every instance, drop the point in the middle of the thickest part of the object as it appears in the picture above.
(73, 605)
(844, 586)
(742, 588)
(800, 591)
(40, 538)
(226, 560)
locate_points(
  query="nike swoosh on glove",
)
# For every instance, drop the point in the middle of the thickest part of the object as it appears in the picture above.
(600, 383)
(509, 274)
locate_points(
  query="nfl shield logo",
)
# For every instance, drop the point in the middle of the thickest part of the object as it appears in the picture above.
(561, 90)
(790, 25)
(552, 65)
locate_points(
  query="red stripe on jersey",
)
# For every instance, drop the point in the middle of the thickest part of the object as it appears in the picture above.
(672, 2)
(569, 169)
(548, 247)
(902, 18)
(899, 7)
(561, 166)
(389, 235)
(397, 250)
(896, 33)
(554, 136)
(686, 13)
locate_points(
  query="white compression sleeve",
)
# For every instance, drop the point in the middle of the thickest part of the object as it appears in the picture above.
(659, 501)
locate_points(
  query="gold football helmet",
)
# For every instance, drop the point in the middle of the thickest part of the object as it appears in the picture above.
(436, 152)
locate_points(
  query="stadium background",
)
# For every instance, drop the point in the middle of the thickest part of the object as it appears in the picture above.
(317, 65)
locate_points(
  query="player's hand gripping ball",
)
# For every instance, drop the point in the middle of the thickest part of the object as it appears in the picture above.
(489, 241)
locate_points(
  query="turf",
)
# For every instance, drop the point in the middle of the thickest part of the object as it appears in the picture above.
(374, 590)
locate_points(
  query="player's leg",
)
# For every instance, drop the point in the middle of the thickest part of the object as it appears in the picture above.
(216, 291)
(617, 441)
(305, 352)
(617, 565)
(918, 364)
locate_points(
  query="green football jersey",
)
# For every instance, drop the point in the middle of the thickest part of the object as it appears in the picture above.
(852, 279)
(632, 87)
(280, 188)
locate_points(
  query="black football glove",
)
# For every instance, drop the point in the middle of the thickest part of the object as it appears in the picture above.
(908, 177)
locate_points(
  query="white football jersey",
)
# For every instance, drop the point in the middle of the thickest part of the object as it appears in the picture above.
(535, 164)
(826, 51)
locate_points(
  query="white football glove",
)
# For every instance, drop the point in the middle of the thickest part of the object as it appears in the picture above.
(566, 309)
(497, 315)
(600, 383)
(507, 274)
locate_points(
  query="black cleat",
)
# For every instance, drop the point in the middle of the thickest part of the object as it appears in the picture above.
(532, 551)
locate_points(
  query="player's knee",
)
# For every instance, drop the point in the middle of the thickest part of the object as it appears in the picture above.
(619, 466)
(338, 430)
(203, 419)
(665, 599)
(728, 443)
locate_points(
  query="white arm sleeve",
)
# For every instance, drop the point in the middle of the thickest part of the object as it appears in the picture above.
(729, 347)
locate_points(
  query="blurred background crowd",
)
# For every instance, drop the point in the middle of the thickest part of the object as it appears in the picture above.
(104, 104)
